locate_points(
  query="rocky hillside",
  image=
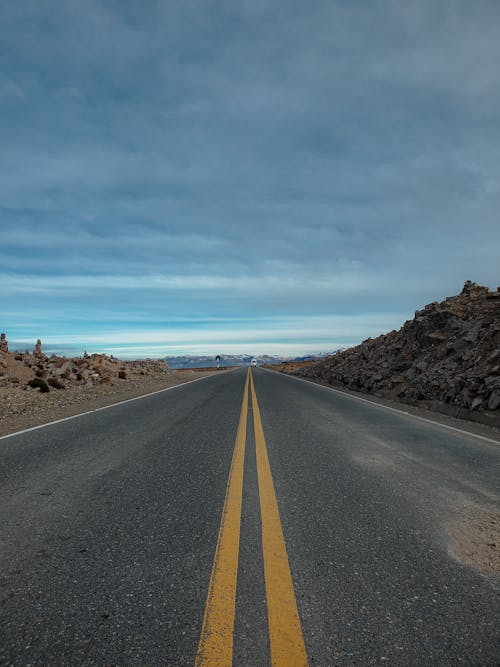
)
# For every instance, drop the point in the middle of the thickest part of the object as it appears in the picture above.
(447, 356)
(36, 371)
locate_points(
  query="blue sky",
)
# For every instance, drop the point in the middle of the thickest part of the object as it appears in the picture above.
(282, 177)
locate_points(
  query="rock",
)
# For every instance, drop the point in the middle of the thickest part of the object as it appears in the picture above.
(494, 400)
(39, 383)
(90, 371)
(4, 346)
(476, 402)
(56, 383)
(66, 369)
(449, 352)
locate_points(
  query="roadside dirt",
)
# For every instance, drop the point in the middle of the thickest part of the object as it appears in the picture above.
(474, 539)
(21, 409)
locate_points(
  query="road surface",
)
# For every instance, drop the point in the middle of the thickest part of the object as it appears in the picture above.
(247, 519)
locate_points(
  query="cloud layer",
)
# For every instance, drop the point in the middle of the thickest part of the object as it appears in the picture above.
(227, 165)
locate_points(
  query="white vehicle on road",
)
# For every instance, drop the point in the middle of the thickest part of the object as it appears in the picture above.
(253, 362)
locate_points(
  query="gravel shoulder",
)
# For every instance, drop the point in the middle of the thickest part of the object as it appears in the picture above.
(21, 409)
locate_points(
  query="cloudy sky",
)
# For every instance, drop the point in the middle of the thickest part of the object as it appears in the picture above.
(193, 176)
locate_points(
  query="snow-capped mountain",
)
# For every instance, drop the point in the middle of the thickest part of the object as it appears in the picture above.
(206, 361)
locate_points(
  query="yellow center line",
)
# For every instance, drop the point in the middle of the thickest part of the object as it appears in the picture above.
(285, 632)
(215, 648)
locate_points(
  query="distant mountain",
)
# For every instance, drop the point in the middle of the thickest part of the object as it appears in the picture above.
(207, 361)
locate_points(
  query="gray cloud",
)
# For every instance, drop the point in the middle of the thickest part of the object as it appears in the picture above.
(329, 157)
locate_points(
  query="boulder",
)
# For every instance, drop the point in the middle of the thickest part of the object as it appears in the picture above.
(494, 400)
(39, 383)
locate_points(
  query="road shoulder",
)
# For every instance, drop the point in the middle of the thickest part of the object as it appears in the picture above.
(474, 428)
(35, 409)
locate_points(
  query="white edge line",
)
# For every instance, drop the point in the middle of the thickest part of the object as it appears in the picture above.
(104, 407)
(385, 407)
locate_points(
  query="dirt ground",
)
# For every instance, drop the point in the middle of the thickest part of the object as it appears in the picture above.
(475, 540)
(21, 409)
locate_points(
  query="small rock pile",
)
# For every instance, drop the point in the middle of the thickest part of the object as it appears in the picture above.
(36, 370)
(449, 354)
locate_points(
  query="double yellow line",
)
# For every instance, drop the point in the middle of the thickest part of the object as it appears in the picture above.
(215, 648)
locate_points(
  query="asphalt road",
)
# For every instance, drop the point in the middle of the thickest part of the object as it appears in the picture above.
(115, 549)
